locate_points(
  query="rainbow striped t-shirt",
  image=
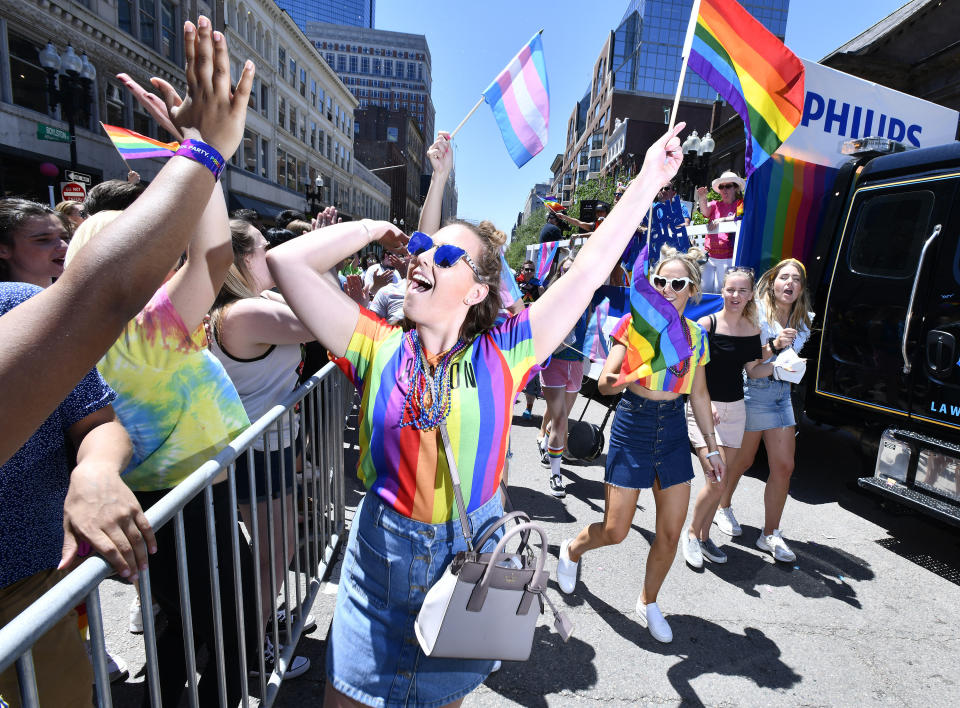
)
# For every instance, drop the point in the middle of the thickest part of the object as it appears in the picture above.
(665, 380)
(406, 467)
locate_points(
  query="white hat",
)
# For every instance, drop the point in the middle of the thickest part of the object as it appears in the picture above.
(726, 178)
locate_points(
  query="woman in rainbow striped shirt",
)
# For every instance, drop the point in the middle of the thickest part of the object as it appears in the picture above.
(649, 448)
(449, 364)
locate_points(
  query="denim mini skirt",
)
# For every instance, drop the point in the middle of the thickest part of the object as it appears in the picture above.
(648, 440)
(390, 563)
(768, 404)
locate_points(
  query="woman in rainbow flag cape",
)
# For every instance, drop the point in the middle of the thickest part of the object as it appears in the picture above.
(449, 369)
(656, 356)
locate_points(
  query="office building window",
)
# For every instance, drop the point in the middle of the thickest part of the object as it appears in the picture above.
(251, 142)
(292, 171)
(264, 99)
(313, 92)
(377, 66)
(282, 62)
(341, 64)
(353, 65)
(264, 151)
(411, 70)
(293, 72)
(148, 23)
(282, 112)
(388, 67)
(28, 77)
(254, 93)
(303, 82)
(365, 65)
(125, 15)
(168, 34)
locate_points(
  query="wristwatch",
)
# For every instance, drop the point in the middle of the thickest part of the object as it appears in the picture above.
(773, 347)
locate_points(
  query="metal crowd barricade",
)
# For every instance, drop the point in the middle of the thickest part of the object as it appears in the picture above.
(318, 406)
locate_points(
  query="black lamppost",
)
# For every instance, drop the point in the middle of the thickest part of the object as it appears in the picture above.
(73, 91)
(315, 196)
(696, 162)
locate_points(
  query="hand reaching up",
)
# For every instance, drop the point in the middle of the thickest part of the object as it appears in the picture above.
(211, 111)
(441, 153)
(664, 157)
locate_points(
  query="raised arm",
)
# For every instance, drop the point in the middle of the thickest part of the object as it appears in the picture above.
(258, 322)
(54, 339)
(586, 225)
(194, 287)
(441, 159)
(559, 308)
(299, 267)
(702, 201)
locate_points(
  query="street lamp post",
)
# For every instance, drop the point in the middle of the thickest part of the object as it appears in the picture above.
(315, 196)
(696, 162)
(72, 91)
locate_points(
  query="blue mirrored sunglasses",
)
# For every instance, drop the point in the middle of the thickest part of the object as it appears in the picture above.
(446, 256)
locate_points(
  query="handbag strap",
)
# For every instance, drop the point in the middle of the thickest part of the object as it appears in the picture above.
(458, 495)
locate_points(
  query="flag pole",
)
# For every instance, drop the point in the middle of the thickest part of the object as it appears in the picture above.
(687, 43)
(472, 111)
(116, 148)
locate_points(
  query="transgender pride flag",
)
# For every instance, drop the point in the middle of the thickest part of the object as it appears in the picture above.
(520, 100)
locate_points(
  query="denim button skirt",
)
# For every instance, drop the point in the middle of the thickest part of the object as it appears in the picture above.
(768, 404)
(390, 563)
(648, 440)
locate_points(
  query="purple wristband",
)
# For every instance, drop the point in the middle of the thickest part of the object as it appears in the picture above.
(204, 154)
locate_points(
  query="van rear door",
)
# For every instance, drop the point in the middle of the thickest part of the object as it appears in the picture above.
(868, 351)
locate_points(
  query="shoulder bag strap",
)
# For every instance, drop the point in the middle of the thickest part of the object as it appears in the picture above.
(713, 323)
(458, 495)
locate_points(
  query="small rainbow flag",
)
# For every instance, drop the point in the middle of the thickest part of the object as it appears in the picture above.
(133, 146)
(595, 344)
(784, 210)
(552, 203)
(509, 290)
(520, 100)
(752, 70)
(655, 339)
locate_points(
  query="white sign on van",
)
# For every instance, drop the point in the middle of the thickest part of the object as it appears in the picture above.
(839, 107)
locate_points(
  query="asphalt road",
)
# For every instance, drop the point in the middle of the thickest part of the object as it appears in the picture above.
(866, 616)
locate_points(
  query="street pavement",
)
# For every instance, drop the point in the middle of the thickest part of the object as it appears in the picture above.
(866, 616)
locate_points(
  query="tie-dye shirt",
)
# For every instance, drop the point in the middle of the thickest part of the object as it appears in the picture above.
(174, 398)
(406, 467)
(666, 380)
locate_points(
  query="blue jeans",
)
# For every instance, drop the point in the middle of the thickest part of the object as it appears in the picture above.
(390, 563)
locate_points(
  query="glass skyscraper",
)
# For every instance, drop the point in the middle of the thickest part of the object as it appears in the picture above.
(649, 41)
(359, 13)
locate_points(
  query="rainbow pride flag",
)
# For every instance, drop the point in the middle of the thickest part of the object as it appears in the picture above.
(133, 146)
(520, 100)
(752, 70)
(552, 203)
(509, 290)
(595, 345)
(655, 338)
(783, 212)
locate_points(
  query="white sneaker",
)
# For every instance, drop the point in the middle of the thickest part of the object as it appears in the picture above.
(775, 544)
(566, 569)
(653, 619)
(727, 522)
(691, 551)
(299, 665)
(136, 617)
(116, 667)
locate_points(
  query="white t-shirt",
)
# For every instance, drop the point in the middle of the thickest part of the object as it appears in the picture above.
(388, 302)
(768, 330)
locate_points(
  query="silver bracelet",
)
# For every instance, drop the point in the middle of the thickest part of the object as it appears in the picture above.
(366, 229)
(715, 452)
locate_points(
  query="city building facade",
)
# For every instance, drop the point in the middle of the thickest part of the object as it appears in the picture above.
(299, 120)
(358, 13)
(391, 145)
(390, 70)
(635, 76)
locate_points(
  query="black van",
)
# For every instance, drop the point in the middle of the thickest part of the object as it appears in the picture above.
(886, 281)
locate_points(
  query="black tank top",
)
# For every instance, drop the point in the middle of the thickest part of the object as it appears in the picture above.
(728, 354)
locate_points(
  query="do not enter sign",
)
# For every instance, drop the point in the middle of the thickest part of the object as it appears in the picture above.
(73, 191)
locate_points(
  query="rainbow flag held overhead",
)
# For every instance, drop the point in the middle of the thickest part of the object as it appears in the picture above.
(752, 70)
(783, 212)
(552, 203)
(520, 100)
(133, 146)
(545, 255)
(655, 339)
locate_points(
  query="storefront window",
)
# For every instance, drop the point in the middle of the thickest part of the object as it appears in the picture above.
(27, 76)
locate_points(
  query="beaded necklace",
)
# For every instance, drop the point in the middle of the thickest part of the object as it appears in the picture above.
(427, 402)
(681, 369)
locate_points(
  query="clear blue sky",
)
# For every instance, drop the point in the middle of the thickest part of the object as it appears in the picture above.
(470, 42)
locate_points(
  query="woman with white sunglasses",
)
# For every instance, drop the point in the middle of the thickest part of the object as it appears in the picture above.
(649, 447)
(448, 365)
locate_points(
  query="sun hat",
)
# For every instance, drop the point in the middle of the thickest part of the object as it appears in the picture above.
(726, 178)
